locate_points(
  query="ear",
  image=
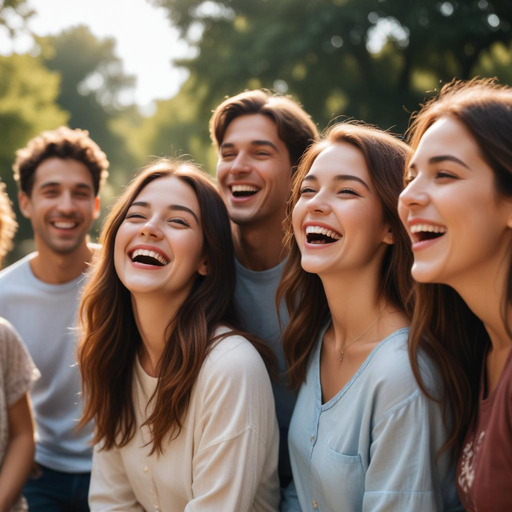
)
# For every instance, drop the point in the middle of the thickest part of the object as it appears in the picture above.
(96, 213)
(203, 268)
(25, 204)
(389, 238)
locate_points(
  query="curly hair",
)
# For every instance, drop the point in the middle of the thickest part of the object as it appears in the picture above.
(62, 143)
(8, 224)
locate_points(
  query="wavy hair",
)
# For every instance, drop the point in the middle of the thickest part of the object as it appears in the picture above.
(443, 326)
(303, 292)
(110, 340)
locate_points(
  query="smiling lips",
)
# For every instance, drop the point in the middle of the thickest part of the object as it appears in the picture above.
(243, 191)
(148, 257)
(425, 234)
(319, 235)
(61, 224)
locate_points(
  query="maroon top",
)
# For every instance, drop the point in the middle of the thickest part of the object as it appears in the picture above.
(484, 468)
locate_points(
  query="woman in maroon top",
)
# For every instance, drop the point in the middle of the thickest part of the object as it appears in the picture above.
(457, 208)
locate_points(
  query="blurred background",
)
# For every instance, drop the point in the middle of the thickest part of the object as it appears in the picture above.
(143, 76)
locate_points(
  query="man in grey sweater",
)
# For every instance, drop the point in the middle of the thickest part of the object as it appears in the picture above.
(59, 174)
(260, 139)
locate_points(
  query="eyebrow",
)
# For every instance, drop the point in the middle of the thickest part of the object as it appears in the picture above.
(339, 177)
(172, 207)
(443, 158)
(225, 145)
(48, 184)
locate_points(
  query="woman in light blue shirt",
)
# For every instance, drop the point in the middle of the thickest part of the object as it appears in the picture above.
(363, 436)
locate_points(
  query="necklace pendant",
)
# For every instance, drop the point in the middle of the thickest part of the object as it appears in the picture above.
(341, 356)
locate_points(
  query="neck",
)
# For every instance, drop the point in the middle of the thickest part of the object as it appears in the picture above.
(54, 268)
(153, 315)
(483, 292)
(259, 247)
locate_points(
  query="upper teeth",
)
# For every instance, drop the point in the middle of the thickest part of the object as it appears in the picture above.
(323, 231)
(244, 188)
(152, 254)
(428, 228)
(64, 225)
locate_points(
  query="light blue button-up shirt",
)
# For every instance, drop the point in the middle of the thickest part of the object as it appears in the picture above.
(373, 446)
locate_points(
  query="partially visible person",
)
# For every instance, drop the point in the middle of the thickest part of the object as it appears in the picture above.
(59, 174)
(457, 209)
(260, 139)
(181, 399)
(363, 436)
(16, 375)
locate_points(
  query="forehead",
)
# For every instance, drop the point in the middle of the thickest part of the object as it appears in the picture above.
(65, 172)
(340, 158)
(162, 192)
(248, 128)
(447, 136)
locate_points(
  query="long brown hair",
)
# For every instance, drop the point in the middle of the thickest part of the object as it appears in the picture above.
(443, 326)
(110, 339)
(303, 292)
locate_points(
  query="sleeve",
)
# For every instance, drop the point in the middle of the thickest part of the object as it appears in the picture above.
(235, 464)
(289, 499)
(20, 371)
(403, 473)
(110, 489)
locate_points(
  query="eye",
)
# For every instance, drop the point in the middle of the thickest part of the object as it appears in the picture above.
(227, 156)
(409, 178)
(444, 174)
(306, 190)
(262, 153)
(134, 215)
(180, 221)
(349, 191)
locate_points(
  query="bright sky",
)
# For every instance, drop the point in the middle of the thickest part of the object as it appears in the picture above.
(145, 40)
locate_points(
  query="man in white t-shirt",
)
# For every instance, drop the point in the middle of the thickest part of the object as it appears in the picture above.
(59, 174)
(260, 139)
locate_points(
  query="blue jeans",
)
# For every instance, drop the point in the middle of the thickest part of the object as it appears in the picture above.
(54, 491)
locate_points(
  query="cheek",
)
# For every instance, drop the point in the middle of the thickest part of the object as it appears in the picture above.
(297, 220)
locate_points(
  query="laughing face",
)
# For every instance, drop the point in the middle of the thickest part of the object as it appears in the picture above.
(254, 171)
(338, 220)
(458, 225)
(159, 246)
(62, 205)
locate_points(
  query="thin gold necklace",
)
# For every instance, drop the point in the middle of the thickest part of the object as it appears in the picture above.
(361, 335)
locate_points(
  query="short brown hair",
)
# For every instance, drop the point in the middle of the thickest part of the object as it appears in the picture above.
(8, 224)
(294, 126)
(61, 143)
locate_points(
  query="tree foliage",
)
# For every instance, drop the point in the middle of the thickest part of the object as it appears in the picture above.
(369, 59)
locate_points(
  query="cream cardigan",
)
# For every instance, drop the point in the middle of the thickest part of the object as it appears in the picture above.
(224, 459)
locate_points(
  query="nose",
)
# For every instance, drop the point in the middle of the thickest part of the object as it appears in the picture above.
(240, 164)
(414, 194)
(150, 230)
(66, 204)
(318, 204)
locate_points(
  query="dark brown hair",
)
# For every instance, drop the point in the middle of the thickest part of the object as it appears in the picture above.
(110, 339)
(443, 326)
(303, 292)
(61, 143)
(294, 126)
(8, 224)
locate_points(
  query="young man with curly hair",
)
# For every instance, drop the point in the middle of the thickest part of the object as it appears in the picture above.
(260, 139)
(59, 174)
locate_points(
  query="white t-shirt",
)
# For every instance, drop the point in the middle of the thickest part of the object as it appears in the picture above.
(225, 457)
(45, 317)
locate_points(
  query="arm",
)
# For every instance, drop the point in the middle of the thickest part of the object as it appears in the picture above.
(403, 473)
(110, 489)
(235, 464)
(20, 453)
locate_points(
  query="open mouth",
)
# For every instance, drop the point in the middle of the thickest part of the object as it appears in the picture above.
(423, 232)
(62, 224)
(148, 257)
(318, 235)
(244, 190)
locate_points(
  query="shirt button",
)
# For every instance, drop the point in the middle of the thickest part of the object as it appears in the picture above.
(315, 504)
(312, 438)
(146, 469)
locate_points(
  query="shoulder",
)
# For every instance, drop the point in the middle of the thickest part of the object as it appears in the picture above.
(11, 347)
(233, 356)
(12, 271)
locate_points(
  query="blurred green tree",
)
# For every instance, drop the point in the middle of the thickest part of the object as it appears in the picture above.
(14, 14)
(369, 59)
